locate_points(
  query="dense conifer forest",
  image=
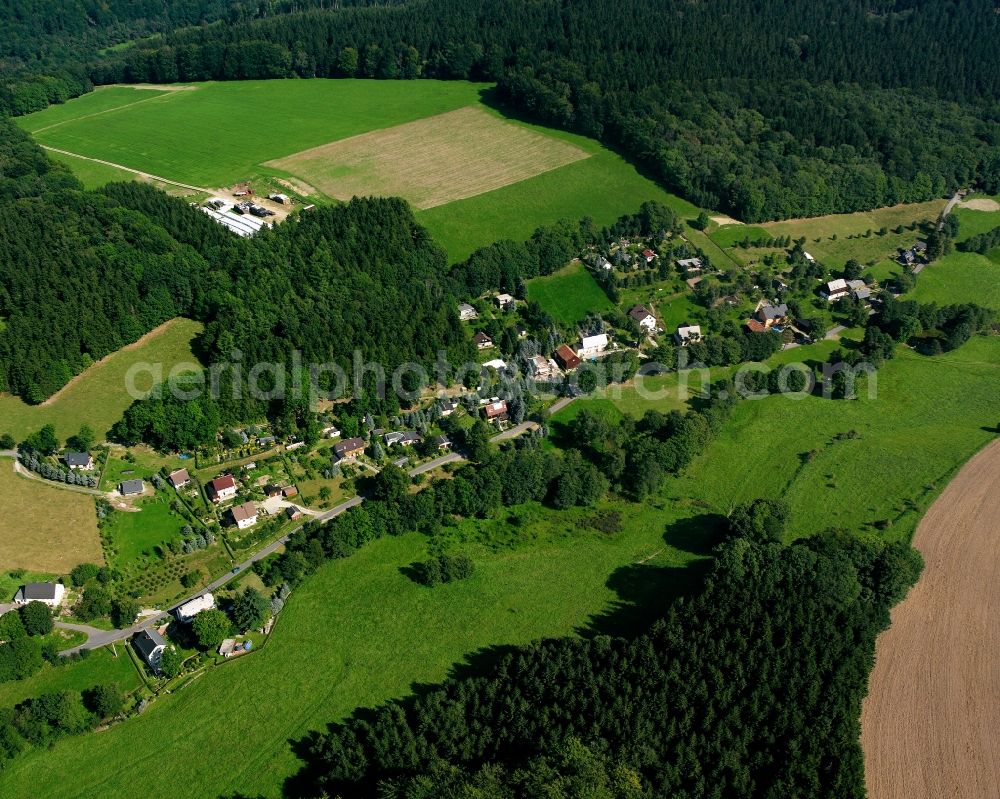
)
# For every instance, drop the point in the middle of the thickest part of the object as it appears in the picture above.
(766, 110)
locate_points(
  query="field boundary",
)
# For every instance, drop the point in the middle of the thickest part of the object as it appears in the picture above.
(139, 172)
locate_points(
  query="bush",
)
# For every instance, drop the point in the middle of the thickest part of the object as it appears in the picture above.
(36, 618)
(443, 569)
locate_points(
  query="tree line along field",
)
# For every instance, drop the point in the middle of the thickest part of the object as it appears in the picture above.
(97, 397)
(216, 134)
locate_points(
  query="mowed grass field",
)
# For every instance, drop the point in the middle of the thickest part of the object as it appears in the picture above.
(357, 633)
(44, 528)
(215, 134)
(432, 161)
(569, 294)
(98, 396)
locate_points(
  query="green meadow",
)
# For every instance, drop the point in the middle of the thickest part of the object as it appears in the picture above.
(569, 294)
(98, 396)
(216, 134)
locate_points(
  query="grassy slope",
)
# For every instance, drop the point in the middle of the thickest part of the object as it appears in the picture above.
(335, 649)
(569, 294)
(135, 534)
(100, 668)
(99, 397)
(45, 529)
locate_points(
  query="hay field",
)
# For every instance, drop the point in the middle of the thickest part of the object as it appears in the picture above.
(431, 161)
(930, 726)
(45, 529)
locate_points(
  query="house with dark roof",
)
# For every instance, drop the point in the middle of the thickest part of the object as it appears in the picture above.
(129, 488)
(441, 443)
(349, 448)
(150, 645)
(404, 438)
(50, 594)
(642, 317)
(769, 315)
(79, 460)
(467, 312)
(482, 341)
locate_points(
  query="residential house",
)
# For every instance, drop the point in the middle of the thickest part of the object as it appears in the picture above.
(179, 478)
(330, 432)
(349, 448)
(442, 443)
(482, 341)
(193, 607)
(221, 488)
(543, 368)
(495, 410)
(404, 438)
(448, 407)
(769, 315)
(755, 326)
(128, 488)
(244, 515)
(294, 445)
(835, 290)
(265, 441)
(686, 334)
(521, 330)
(466, 312)
(289, 491)
(79, 460)
(861, 293)
(50, 594)
(271, 491)
(592, 345)
(689, 264)
(497, 363)
(150, 645)
(504, 301)
(566, 358)
(920, 248)
(604, 263)
(293, 513)
(649, 255)
(643, 318)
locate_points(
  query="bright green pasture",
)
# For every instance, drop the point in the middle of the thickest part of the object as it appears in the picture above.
(569, 294)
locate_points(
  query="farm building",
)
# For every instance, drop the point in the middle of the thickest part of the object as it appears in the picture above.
(566, 358)
(190, 609)
(239, 224)
(280, 198)
(50, 594)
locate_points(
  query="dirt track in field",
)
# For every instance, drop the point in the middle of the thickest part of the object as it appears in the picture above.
(432, 161)
(930, 727)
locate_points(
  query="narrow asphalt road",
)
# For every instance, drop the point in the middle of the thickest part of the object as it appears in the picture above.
(98, 638)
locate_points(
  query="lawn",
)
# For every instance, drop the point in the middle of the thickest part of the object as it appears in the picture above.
(338, 646)
(45, 529)
(219, 133)
(98, 396)
(101, 667)
(135, 534)
(569, 294)
(961, 277)
(728, 235)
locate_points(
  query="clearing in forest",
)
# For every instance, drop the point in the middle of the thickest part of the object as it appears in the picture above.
(432, 161)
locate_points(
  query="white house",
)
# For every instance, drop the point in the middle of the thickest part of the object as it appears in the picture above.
(50, 594)
(504, 301)
(190, 609)
(835, 290)
(497, 363)
(244, 515)
(222, 488)
(687, 333)
(643, 318)
(543, 368)
(592, 345)
(604, 263)
(79, 460)
(150, 645)
(467, 312)
(690, 264)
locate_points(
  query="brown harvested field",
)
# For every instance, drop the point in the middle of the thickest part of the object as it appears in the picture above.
(432, 161)
(930, 726)
(43, 528)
